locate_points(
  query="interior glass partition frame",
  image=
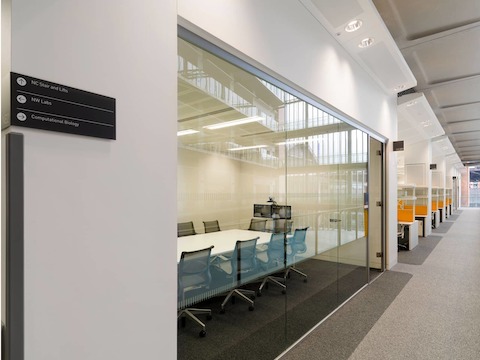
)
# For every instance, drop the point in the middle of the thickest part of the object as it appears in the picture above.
(243, 142)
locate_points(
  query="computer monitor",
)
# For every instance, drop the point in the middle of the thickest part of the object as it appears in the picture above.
(272, 211)
(261, 210)
(282, 211)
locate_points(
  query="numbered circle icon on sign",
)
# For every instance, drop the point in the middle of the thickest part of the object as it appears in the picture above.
(21, 116)
(21, 99)
(21, 81)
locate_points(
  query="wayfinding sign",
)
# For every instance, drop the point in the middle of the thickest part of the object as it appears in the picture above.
(42, 104)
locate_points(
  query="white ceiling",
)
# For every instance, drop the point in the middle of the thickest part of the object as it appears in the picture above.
(440, 41)
(383, 60)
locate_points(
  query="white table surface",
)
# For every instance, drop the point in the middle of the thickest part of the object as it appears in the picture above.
(223, 241)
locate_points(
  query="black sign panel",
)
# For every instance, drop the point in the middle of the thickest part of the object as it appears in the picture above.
(433, 166)
(398, 146)
(45, 105)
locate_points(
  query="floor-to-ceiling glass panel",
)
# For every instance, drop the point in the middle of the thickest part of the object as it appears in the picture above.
(271, 218)
(232, 203)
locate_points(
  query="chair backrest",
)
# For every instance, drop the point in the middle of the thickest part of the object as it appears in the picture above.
(185, 229)
(297, 242)
(194, 270)
(276, 249)
(244, 258)
(282, 226)
(258, 224)
(211, 226)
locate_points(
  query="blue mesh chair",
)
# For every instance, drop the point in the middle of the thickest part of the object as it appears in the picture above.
(211, 226)
(194, 279)
(241, 268)
(185, 229)
(257, 225)
(296, 246)
(273, 260)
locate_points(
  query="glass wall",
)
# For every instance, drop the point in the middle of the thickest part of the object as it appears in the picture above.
(277, 186)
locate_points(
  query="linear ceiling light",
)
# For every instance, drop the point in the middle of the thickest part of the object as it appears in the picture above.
(248, 147)
(186, 132)
(293, 142)
(234, 122)
(353, 25)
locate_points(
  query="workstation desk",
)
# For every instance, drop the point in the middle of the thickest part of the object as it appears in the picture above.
(423, 220)
(411, 233)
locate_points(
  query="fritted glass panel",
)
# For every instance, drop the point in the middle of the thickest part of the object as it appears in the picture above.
(271, 216)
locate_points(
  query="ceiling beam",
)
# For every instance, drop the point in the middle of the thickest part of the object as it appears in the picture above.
(408, 45)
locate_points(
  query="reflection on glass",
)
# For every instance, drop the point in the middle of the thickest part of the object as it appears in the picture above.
(267, 166)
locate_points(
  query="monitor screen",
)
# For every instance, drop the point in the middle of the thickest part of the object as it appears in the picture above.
(272, 211)
(260, 210)
(282, 211)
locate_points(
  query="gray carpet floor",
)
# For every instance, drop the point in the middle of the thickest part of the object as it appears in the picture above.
(417, 255)
(277, 321)
(425, 311)
(338, 336)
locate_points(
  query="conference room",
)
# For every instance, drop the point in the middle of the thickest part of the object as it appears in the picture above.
(272, 209)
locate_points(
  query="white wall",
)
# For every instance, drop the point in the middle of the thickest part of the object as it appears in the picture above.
(283, 38)
(100, 255)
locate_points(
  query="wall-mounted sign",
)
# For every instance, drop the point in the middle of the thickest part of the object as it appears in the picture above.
(433, 166)
(398, 146)
(46, 105)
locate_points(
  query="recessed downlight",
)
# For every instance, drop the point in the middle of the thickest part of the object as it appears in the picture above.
(353, 25)
(366, 42)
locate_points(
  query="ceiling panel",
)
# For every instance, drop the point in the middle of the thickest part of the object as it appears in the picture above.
(461, 112)
(432, 62)
(421, 18)
(440, 41)
(455, 93)
(464, 126)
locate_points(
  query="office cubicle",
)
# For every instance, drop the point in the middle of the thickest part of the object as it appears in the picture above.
(243, 141)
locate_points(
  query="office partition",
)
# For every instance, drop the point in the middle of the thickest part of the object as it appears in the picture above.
(243, 141)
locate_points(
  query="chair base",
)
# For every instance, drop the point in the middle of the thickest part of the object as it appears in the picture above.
(242, 294)
(294, 269)
(191, 313)
(274, 280)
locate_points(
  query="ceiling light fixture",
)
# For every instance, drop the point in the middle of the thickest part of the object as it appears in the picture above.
(186, 132)
(353, 25)
(366, 42)
(248, 147)
(293, 142)
(234, 123)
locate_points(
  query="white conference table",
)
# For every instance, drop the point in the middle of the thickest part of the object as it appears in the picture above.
(223, 241)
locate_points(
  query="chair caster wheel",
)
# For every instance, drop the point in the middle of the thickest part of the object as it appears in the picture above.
(305, 280)
(251, 308)
(222, 311)
(209, 317)
(202, 333)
